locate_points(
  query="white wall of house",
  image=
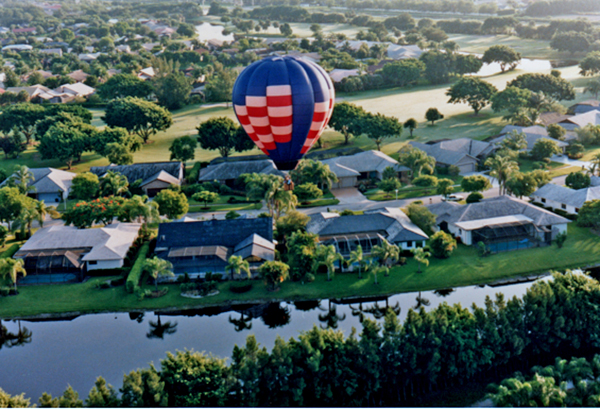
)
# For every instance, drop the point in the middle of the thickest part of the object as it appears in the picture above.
(465, 235)
(555, 205)
(104, 264)
(49, 198)
(408, 245)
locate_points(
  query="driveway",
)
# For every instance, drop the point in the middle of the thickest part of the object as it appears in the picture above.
(349, 196)
(571, 162)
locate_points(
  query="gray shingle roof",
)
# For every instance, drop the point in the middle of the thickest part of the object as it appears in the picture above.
(228, 233)
(49, 180)
(234, 169)
(142, 171)
(390, 223)
(565, 195)
(581, 120)
(111, 242)
(532, 135)
(495, 207)
(368, 161)
(453, 151)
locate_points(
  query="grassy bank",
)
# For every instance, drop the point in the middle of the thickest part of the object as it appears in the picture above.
(465, 267)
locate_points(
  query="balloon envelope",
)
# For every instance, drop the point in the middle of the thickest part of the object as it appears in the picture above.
(283, 104)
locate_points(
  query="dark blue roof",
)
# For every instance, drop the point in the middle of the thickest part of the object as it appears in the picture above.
(226, 233)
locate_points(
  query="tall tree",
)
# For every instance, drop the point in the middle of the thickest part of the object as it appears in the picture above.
(21, 117)
(384, 252)
(592, 87)
(501, 168)
(124, 85)
(503, 55)
(590, 65)
(357, 256)
(138, 116)
(22, 178)
(346, 119)
(224, 135)
(411, 124)
(379, 127)
(172, 204)
(327, 256)
(67, 142)
(473, 91)
(183, 149)
(274, 272)
(420, 256)
(85, 186)
(172, 90)
(432, 115)
(553, 87)
(113, 184)
(416, 160)
(314, 171)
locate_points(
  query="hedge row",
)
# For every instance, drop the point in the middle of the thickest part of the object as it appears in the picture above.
(135, 275)
(9, 252)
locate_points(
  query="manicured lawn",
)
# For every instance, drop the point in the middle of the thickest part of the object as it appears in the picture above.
(564, 171)
(222, 204)
(320, 202)
(405, 193)
(465, 267)
(534, 49)
(527, 165)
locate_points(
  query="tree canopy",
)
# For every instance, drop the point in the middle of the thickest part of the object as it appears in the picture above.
(224, 135)
(138, 116)
(473, 91)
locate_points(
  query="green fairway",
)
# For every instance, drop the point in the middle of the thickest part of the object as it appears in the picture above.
(464, 267)
(534, 49)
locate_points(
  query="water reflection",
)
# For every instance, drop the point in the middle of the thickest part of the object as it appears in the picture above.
(242, 323)
(375, 310)
(421, 302)
(9, 339)
(331, 319)
(444, 292)
(275, 315)
(158, 330)
(137, 317)
(308, 305)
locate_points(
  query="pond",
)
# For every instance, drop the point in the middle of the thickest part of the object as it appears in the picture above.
(207, 31)
(50, 355)
(525, 64)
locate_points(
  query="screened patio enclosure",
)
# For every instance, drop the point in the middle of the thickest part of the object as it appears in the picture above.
(512, 236)
(345, 244)
(58, 266)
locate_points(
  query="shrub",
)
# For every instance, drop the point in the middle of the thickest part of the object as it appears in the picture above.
(362, 188)
(4, 291)
(240, 288)
(425, 181)
(115, 282)
(263, 214)
(232, 214)
(474, 197)
(442, 244)
(560, 239)
(132, 284)
(309, 277)
(103, 285)
(347, 212)
(453, 170)
(402, 261)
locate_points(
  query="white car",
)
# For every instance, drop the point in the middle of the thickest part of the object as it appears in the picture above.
(453, 198)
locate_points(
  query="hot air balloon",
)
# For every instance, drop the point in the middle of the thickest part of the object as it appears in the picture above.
(283, 104)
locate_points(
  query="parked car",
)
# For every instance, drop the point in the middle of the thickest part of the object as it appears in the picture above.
(453, 198)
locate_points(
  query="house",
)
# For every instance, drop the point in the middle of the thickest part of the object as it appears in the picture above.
(338, 74)
(33, 91)
(199, 247)
(24, 30)
(581, 120)
(532, 135)
(584, 107)
(146, 73)
(402, 52)
(345, 233)
(502, 223)
(52, 51)
(78, 89)
(49, 185)
(548, 118)
(564, 198)
(154, 176)
(65, 253)
(463, 153)
(17, 47)
(124, 48)
(364, 165)
(78, 75)
(228, 172)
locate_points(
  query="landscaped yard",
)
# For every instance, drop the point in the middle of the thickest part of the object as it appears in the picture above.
(465, 267)
(223, 205)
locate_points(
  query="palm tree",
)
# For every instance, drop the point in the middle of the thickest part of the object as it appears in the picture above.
(375, 270)
(244, 322)
(138, 207)
(327, 256)
(41, 210)
(384, 252)
(595, 162)
(593, 87)
(158, 267)
(331, 319)
(501, 169)
(21, 178)
(113, 184)
(421, 302)
(12, 267)
(236, 264)
(356, 256)
(316, 172)
(420, 256)
(279, 200)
